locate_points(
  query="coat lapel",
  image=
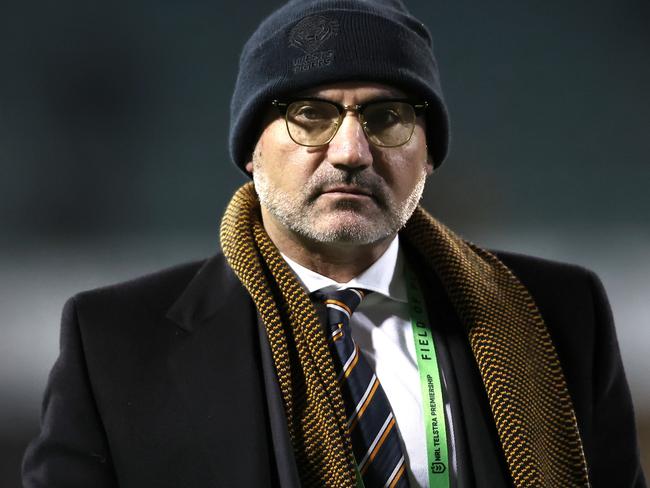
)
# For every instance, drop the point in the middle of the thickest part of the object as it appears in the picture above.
(286, 463)
(216, 369)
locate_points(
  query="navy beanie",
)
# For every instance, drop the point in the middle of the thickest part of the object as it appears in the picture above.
(307, 43)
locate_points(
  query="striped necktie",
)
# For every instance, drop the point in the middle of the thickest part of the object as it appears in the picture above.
(370, 420)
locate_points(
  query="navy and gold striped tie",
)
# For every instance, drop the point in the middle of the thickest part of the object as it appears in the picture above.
(370, 420)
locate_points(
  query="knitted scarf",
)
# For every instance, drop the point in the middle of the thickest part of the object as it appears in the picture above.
(523, 378)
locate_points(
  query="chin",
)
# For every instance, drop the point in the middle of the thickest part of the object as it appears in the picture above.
(345, 231)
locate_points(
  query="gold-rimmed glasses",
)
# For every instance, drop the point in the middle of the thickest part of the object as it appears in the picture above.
(314, 122)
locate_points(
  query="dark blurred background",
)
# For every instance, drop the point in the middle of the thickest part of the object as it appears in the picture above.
(113, 157)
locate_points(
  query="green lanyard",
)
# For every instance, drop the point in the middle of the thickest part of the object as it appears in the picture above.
(433, 405)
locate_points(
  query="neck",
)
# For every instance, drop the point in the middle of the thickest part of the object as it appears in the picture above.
(338, 261)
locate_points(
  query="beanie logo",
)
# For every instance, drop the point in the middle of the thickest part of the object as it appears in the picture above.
(311, 32)
(309, 35)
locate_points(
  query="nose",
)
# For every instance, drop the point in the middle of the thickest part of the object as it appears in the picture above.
(350, 147)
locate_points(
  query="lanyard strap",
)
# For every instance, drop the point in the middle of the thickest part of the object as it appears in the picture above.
(433, 405)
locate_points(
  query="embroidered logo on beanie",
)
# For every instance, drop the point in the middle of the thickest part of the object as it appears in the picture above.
(309, 35)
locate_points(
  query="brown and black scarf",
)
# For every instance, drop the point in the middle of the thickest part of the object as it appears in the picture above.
(518, 363)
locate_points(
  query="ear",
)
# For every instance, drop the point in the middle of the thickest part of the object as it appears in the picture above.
(249, 167)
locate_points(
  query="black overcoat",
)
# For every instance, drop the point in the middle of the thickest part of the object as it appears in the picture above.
(167, 381)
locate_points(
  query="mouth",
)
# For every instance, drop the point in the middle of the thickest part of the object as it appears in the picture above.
(347, 191)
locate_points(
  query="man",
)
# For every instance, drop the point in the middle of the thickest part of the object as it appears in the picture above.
(343, 337)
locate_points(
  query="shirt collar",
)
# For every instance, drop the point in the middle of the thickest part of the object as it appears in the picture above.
(385, 276)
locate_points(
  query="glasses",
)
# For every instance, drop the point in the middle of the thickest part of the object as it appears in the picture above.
(314, 122)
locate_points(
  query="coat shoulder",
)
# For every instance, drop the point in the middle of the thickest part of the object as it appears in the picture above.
(553, 283)
(156, 291)
(130, 319)
(185, 294)
(526, 267)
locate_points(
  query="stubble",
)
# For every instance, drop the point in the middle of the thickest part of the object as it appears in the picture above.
(346, 221)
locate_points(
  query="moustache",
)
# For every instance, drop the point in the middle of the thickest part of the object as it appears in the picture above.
(367, 183)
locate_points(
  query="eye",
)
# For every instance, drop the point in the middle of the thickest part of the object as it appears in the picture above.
(388, 117)
(382, 117)
(309, 112)
(312, 112)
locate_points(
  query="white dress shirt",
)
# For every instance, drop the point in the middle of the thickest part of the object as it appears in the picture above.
(382, 329)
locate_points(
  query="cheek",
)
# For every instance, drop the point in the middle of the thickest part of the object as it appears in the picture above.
(402, 167)
(288, 164)
(272, 148)
(270, 139)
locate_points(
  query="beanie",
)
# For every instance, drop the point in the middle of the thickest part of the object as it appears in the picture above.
(307, 43)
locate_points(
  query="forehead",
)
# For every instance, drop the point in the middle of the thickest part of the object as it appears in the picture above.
(352, 91)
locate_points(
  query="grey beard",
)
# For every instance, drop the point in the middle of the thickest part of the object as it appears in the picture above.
(298, 217)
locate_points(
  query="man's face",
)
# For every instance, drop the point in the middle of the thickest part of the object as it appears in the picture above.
(348, 191)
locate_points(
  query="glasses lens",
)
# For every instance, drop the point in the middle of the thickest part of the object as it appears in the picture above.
(389, 124)
(312, 122)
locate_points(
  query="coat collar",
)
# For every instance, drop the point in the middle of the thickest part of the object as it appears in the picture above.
(212, 288)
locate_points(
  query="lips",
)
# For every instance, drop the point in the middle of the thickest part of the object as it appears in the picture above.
(349, 190)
